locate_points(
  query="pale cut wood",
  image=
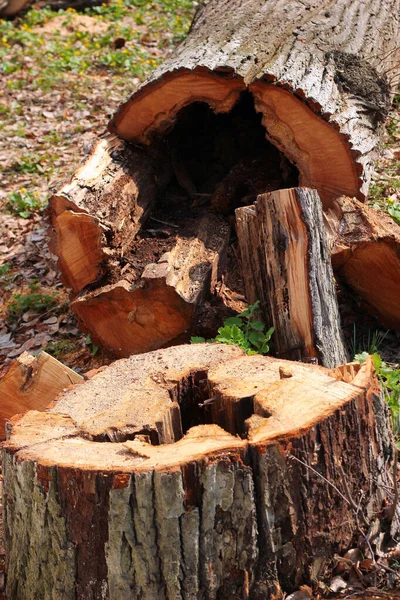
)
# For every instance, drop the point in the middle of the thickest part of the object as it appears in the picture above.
(286, 265)
(31, 383)
(365, 251)
(212, 515)
(161, 305)
(320, 74)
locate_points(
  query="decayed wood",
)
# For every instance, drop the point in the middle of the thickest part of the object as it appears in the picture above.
(160, 305)
(95, 216)
(211, 515)
(365, 252)
(31, 383)
(286, 265)
(317, 72)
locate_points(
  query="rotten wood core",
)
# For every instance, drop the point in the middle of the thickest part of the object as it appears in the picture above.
(192, 472)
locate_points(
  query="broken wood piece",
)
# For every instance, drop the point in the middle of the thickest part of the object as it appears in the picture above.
(365, 252)
(211, 515)
(31, 383)
(96, 215)
(128, 319)
(286, 265)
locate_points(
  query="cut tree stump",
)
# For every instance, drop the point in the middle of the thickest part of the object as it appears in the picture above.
(260, 96)
(31, 383)
(104, 498)
(286, 265)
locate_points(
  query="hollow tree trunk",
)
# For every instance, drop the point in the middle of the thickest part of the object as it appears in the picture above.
(317, 71)
(208, 515)
(316, 74)
(286, 265)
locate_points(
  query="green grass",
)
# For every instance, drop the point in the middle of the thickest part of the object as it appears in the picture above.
(32, 300)
(44, 58)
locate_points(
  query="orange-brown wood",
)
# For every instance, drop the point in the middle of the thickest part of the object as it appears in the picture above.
(31, 383)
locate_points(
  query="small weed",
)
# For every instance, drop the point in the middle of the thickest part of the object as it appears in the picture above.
(28, 164)
(245, 330)
(57, 349)
(92, 347)
(366, 343)
(389, 378)
(33, 300)
(4, 270)
(391, 207)
(24, 203)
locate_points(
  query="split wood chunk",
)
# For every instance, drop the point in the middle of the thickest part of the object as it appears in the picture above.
(96, 215)
(286, 265)
(211, 515)
(317, 73)
(365, 250)
(128, 319)
(32, 382)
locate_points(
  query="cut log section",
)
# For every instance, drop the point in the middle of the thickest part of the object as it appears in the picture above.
(31, 383)
(160, 305)
(365, 252)
(286, 265)
(236, 508)
(319, 75)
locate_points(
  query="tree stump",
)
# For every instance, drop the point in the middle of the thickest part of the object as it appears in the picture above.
(191, 472)
(259, 97)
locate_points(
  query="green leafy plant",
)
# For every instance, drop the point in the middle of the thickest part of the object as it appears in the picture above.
(57, 349)
(24, 203)
(245, 330)
(389, 378)
(366, 343)
(92, 347)
(32, 300)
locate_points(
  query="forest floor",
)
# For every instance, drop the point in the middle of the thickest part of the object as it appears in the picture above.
(62, 76)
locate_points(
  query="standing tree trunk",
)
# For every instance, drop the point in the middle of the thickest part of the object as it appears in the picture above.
(105, 500)
(260, 96)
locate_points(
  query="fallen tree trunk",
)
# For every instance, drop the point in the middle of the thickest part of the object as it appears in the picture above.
(231, 115)
(316, 71)
(235, 508)
(286, 265)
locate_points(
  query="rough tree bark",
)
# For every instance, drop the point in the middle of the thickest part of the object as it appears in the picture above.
(284, 250)
(232, 509)
(317, 73)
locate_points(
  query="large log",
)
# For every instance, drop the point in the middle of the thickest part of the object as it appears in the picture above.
(286, 265)
(278, 96)
(317, 73)
(104, 498)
